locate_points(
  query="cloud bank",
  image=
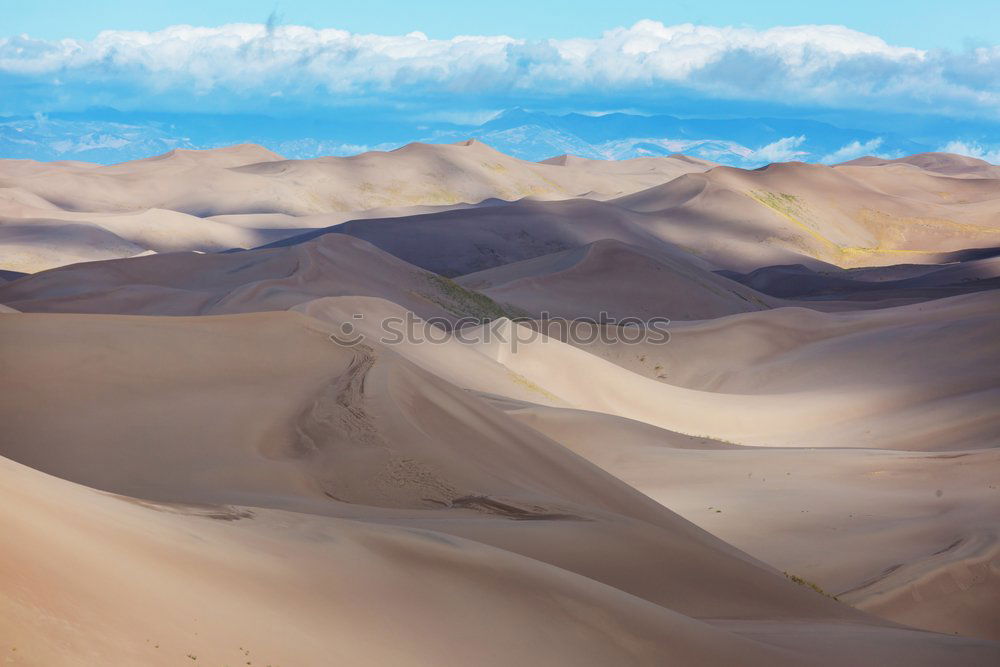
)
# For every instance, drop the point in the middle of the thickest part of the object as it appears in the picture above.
(246, 64)
(972, 149)
(856, 149)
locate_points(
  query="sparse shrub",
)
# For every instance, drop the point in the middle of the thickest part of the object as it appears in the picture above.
(810, 584)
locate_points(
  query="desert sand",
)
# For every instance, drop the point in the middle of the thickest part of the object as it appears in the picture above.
(214, 452)
(52, 214)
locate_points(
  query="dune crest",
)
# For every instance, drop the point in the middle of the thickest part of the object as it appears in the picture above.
(417, 407)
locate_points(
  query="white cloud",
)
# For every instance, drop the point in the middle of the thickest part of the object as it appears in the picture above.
(311, 148)
(854, 149)
(782, 150)
(972, 149)
(824, 64)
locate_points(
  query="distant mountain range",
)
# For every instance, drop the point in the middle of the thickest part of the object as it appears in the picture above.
(736, 141)
(108, 135)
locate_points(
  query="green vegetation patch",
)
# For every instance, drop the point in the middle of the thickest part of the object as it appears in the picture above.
(464, 302)
(810, 584)
(531, 386)
(791, 207)
(782, 202)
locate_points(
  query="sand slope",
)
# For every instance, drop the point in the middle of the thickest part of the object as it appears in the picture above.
(157, 202)
(36, 245)
(944, 163)
(895, 285)
(846, 216)
(731, 219)
(288, 449)
(926, 394)
(327, 450)
(620, 280)
(360, 435)
(191, 283)
(910, 536)
(33, 244)
(857, 214)
(455, 243)
(250, 179)
(307, 589)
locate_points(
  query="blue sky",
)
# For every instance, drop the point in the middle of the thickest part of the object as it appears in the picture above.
(926, 70)
(921, 23)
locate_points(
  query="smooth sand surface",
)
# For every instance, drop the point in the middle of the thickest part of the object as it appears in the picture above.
(915, 534)
(863, 213)
(358, 444)
(731, 219)
(611, 279)
(313, 427)
(160, 203)
(912, 403)
(166, 584)
(944, 163)
(260, 280)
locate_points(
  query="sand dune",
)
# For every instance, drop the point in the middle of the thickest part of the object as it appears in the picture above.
(327, 430)
(469, 172)
(915, 534)
(340, 589)
(155, 202)
(261, 280)
(944, 163)
(846, 216)
(455, 243)
(337, 438)
(427, 344)
(340, 586)
(19, 203)
(622, 281)
(735, 219)
(36, 245)
(739, 392)
(853, 406)
(899, 284)
(907, 525)
(785, 349)
(326, 449)
(731, 219)
(251, 179)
